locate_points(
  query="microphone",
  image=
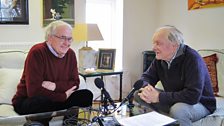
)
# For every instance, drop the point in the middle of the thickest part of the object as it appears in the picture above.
(100, 84)
(138, 84)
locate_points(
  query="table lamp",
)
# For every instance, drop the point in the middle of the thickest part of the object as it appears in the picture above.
(83, 33)
(86, 32)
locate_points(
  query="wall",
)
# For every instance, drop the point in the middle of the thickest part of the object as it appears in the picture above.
(202, 28)
(34, 32)
(25, 33)
(140, 17)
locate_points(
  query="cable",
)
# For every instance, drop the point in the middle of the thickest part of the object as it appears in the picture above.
(72, 116)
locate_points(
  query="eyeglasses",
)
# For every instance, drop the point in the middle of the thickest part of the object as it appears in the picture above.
(64, 38)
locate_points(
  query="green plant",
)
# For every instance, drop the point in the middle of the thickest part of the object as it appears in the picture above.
(59, 5)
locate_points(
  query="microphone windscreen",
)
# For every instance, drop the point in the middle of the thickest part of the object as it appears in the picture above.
(99, 83)
(138, 84)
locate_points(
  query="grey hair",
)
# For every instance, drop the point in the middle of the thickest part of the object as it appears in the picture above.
(174, 35)
(51, 28)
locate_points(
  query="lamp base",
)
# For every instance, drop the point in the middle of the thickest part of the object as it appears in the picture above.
(87, 58)
(86, 48)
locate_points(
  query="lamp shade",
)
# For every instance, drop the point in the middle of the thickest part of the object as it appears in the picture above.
(86, 32)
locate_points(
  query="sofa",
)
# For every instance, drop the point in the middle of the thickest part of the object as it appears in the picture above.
(214, 58)
(11, 68)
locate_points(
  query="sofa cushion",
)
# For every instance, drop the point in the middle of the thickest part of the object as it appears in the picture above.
(219, 65)
(7, 110)
(9, 79)
(211, 61)
(12, 58)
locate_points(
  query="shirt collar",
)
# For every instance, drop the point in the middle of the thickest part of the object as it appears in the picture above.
(178, 52)
(52, 50)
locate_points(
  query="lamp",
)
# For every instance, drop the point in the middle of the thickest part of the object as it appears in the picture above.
(84, 33)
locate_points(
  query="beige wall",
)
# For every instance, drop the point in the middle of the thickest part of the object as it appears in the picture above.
(25, 33)
(140, 17)
(34, 32)
(202, 28)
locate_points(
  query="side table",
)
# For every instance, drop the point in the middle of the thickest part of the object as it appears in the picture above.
(102, 74)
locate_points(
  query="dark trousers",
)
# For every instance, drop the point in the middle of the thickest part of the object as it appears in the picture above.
(38, 104)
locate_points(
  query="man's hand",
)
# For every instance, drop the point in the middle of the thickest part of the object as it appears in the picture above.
(49, 85)
(70, 91)
(149, 94)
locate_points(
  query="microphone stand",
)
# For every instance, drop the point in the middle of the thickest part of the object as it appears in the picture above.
(131, 105)
(104, 108)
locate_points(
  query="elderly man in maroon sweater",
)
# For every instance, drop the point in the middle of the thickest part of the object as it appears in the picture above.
(50, 78)
(188, 94)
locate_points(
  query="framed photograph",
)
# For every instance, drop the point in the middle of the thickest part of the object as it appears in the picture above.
(106, 59)
(14, 12)
(58, 10)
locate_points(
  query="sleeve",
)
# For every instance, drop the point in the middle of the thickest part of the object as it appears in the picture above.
(34, 72)
(150, 75)
(194, 79)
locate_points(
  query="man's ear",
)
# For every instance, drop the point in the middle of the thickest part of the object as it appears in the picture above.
(176, 45)
(50, 37)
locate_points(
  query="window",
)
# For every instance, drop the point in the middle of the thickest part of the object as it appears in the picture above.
(108, 15)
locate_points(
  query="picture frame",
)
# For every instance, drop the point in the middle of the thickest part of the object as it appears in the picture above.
(106, 59)
(14, 12)
(201, 4)
(58, 10)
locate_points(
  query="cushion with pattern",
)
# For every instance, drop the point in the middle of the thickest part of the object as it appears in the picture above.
(211, 62)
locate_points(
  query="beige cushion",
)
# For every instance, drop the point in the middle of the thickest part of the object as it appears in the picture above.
(9, 79)
(8, 117)
(7, 110)
(83, 84)
(12, 58)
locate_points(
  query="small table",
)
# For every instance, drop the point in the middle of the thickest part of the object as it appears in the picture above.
(102, 74)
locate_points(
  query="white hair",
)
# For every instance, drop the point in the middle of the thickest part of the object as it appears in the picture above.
(50, 29)
(174, 35)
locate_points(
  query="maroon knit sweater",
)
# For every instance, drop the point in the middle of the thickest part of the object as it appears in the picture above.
(41, 65)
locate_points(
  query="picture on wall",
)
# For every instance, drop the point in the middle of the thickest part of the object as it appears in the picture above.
(106, 59)
(58, 10)
(14, 12)
(200, 4)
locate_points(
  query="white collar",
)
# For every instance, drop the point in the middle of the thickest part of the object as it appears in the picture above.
(173, 57)
(52, 50)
